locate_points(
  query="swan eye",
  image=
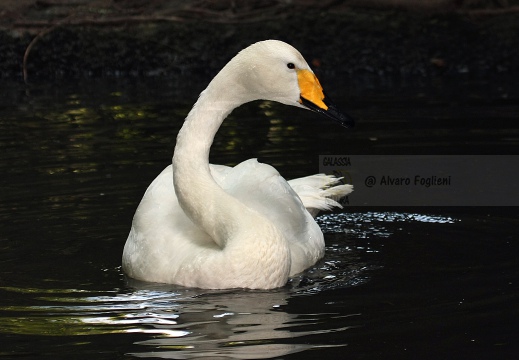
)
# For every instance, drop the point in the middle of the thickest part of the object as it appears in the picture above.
(291, 66)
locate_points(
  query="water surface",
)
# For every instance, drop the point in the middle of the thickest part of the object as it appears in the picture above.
(404, 282)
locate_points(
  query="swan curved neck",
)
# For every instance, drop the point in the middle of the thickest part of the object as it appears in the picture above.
(198, 194)
(197, 134)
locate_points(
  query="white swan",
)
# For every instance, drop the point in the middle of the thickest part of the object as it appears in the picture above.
(212, 226)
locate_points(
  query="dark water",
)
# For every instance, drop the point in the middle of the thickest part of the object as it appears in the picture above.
(417, 283)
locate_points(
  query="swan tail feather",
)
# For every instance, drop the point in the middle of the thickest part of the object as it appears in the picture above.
(320, 192)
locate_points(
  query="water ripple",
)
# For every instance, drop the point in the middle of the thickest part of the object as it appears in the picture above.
(169, 321)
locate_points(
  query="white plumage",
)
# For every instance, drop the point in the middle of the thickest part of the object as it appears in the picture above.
(213, 226)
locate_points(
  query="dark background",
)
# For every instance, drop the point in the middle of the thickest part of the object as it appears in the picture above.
(50, 39)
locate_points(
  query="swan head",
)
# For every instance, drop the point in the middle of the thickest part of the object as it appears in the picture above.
(274, 70)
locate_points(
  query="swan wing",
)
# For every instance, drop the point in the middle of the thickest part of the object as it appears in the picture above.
(263, 189)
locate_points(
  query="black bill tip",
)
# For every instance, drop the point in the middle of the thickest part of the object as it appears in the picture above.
(332, 112)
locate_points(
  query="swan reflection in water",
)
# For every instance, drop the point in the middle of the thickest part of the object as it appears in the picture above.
(238, 324)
